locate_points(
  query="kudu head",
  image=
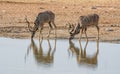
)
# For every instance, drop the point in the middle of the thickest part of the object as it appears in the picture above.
(32, 30)
(73, 29)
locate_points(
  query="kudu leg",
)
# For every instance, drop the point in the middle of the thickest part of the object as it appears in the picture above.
(54, 28)
(50, 25)
(55, 33)
(80, 35)
(98, 32)
(49, 32)
(40, 34)
(54, 24)
(86, 36)
(86, 39)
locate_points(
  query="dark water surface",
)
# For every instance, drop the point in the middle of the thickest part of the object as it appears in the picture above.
(26, 56)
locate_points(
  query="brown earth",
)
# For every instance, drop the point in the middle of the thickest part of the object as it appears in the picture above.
(13, 25)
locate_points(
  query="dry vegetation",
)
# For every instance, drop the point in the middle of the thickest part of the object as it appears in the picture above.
(12, 14)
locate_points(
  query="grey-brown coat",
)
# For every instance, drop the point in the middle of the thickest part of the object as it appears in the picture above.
(41, 19)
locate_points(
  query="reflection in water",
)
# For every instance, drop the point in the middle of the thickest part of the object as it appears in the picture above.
(41, 57)
(12, 62)
(81, 55)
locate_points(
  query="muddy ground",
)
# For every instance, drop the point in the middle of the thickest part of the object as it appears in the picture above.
(13, 25)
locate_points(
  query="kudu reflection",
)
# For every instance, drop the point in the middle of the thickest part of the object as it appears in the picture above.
(41, 57)
(81, 55)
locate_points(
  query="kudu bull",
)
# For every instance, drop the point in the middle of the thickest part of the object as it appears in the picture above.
(41, 19)
(83, 23)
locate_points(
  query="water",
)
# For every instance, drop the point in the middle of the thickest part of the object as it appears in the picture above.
(21, 56)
